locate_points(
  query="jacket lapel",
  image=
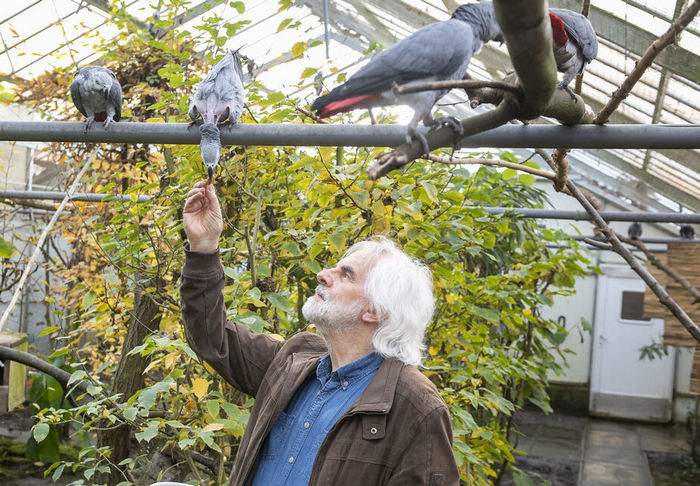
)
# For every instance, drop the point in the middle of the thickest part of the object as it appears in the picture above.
(379, 395)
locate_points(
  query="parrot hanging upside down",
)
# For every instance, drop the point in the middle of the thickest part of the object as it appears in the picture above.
(439, 51)
(97, 94)
(575, 44)
(217, 99)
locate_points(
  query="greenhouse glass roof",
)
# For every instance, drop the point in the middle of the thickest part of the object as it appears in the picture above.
(39, 35)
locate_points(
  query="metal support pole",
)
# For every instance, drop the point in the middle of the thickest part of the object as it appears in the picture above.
(648, 241)
(330, 135)
(687, 218)
(326, 34)
(57, 196)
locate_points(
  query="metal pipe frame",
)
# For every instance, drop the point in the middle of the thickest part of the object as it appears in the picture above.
(687, 218)
(332, 135)
(648, 241)
(78, 196)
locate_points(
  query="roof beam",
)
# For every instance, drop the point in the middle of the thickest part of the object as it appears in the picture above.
(636, 40)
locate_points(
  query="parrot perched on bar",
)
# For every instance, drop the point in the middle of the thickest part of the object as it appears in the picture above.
(437, 52)
(97, 94)
(687, 232)
(575, 43)
(634, 231)
(217, 99)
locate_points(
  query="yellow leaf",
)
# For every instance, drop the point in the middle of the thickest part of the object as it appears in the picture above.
(213, 427)
(200, 387)
(276, 337)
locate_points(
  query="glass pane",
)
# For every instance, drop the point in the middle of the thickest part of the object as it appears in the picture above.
(632, 306)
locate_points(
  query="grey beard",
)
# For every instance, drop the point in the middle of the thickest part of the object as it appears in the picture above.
(329, 317)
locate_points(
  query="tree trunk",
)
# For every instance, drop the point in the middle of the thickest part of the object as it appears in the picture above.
(128, 379)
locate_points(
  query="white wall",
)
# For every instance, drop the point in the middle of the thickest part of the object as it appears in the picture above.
(580, 306)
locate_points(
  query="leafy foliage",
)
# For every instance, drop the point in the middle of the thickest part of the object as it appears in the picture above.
(288, 213)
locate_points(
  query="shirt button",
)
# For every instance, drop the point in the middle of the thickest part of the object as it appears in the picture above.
(307, 424)
(373, 430)
(345, 384)
(290, 460)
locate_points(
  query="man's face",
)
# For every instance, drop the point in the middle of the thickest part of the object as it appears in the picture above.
(339, 300)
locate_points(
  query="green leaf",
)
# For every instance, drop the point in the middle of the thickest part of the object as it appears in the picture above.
(40, 431)
(308, 72)
(298, 49)
(49, 330)
(280, 301)
(6, 249)
(146, 435)
(58, 472)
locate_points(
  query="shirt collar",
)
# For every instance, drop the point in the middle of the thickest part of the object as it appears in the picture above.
(351, 371)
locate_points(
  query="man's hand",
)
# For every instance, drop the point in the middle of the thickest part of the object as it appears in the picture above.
(202, 218)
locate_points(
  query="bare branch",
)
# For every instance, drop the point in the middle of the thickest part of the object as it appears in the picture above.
(668, 38)
(621, 250)
(492, 162)
(667, 269)
(465, 84)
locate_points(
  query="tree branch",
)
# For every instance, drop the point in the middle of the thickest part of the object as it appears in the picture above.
(667, 269)
(492, 162)
(621, 250)
(465, 84)
(668, 38)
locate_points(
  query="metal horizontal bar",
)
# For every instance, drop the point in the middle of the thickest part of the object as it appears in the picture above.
(524, 212)
(58, 196)
(511, 136)
(650, 241)
(689, 218)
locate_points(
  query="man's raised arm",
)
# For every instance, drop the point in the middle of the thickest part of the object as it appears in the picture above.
(239, 355)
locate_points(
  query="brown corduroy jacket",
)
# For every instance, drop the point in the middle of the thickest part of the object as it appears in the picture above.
(397, 433)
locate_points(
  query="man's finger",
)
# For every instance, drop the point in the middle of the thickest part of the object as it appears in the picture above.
(194, 204)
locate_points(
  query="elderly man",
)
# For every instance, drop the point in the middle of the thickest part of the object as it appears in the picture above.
(345, 407)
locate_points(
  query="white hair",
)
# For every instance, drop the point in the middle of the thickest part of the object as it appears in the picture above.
(399, 289)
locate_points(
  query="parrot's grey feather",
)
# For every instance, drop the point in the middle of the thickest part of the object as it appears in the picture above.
(220, 96)
(421, 55)
(96, 91)
(75, 94)
(115, 98)
(580, 30)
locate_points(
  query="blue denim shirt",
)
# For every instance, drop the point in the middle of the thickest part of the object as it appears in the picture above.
(289, 451)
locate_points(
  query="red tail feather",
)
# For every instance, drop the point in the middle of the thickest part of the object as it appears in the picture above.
(347, 104)
(558, 30)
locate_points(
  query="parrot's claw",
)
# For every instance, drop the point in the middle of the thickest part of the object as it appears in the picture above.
(570, 91)
(88, 124)
(414, 134)
(452, 122)
(107, 122)
(386, 163)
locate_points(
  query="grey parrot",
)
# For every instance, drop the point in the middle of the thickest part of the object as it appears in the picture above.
(97, 94)
(687, 232)
(634, 231)
(217, 99)
(575, 43)
(439, 51)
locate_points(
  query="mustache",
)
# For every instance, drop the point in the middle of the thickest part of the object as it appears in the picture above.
(321, 292)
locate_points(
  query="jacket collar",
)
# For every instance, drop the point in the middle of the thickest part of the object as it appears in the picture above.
(377, 398)
(379, 395)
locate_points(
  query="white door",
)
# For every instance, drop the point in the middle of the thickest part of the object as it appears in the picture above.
(622, 384)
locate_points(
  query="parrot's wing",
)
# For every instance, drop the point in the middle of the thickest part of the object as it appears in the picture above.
(115, 98)
(75, 94)
(579, 28)
(436, 50)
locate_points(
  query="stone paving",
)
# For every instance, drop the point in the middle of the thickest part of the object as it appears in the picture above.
(586, 451)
